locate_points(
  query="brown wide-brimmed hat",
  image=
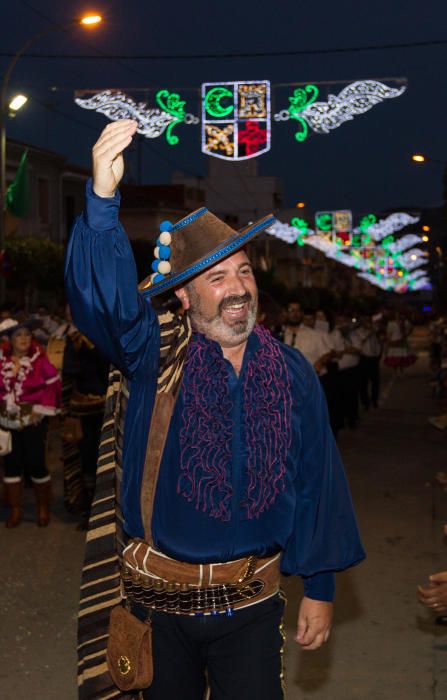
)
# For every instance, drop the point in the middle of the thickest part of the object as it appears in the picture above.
(194, 244)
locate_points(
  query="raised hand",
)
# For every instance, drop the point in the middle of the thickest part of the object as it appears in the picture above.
(108, 162)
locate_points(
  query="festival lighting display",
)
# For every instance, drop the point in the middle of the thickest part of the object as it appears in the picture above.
(370, 248)
(236, 116)
(322, 117)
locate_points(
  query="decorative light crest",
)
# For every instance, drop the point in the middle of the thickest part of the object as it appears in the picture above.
(236, 119)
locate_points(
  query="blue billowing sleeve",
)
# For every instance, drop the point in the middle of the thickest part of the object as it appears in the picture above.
(326, 537)
(101, 284)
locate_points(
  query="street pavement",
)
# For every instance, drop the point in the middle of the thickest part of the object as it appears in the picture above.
(384, 646)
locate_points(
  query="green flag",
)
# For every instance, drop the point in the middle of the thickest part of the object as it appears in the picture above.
(17, 195)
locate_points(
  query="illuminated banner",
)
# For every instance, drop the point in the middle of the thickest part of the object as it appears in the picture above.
(236, 119)
(236, 116)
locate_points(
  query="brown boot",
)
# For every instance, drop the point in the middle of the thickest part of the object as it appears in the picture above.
(42, 492)
(13, 497)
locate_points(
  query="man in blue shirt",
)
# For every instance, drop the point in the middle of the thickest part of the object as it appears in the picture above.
(250, 475)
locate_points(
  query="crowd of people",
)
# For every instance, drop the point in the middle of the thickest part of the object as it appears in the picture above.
(438, 363)
(48, 368)
(346, 351)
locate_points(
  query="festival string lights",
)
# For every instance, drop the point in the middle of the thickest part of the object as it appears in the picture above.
(236, 116)
(370, 248)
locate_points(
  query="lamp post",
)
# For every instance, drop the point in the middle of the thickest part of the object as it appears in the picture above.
(422, 158)
(86, 21)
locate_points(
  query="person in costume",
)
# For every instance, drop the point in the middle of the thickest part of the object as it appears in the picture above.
(398, 353)
(30, 392)
(230, 472)
(84, 383)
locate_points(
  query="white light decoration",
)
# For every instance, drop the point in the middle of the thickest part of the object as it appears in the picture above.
(236, 119)
(322, 117)
(391, 265)
(152, 122)
(414, 258)
(393, 223)
(285, 232)
(404, 243)
(421, 284)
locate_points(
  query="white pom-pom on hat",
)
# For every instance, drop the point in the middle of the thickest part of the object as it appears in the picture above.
(164, 267)
(165, 238)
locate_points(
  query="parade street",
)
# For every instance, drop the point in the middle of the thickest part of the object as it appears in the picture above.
(384, 645)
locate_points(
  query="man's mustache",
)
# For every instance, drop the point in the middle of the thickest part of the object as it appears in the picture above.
(234, 299)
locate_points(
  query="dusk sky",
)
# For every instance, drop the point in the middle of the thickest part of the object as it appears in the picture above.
(364, 165)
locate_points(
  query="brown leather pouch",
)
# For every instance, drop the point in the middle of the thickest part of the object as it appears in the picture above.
(129, 650)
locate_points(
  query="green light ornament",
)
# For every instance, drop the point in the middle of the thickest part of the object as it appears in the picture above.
(303, 227)
(171, 103)
(300, 100)
(324, 222)
(366, 222)
(213, 102)
(387, 242)
(300, 224)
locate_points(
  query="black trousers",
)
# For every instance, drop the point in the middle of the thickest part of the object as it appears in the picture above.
(329, 383)
(369, 379)
(28, 452)
(240, 655)
(349, 385)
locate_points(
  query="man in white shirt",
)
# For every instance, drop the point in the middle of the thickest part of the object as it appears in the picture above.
(309, 342)
(347, 345)
(371, 350)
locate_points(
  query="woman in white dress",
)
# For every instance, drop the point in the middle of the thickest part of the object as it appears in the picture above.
(398, 354)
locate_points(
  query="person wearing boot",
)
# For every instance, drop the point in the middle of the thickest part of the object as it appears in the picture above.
(88, 370)
(30, 391)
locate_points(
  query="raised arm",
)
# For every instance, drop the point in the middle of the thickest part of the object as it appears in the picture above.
(100, 273)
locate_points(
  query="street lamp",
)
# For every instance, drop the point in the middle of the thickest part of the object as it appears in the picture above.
(88, 20)
(421, 158)
(17, 102)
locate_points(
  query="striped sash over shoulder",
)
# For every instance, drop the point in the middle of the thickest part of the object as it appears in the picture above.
(100, 587)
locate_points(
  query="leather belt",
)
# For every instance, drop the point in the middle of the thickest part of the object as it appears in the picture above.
(158, 582)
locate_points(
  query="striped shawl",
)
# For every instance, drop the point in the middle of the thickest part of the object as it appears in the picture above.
(100, 586)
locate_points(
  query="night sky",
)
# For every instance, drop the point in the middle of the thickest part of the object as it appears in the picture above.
(364, 165)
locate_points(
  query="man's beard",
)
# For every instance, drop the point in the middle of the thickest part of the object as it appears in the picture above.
(214, 327)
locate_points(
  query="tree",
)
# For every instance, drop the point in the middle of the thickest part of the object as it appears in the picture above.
(35, 264)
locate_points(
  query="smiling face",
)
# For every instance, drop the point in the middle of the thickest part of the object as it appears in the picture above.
(21, 341)
(222, 302)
